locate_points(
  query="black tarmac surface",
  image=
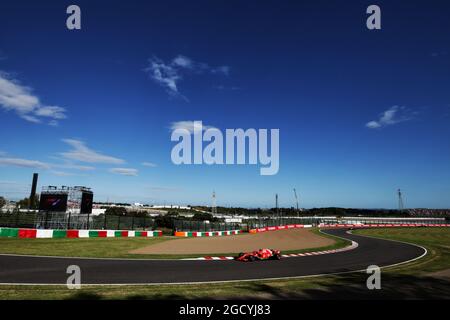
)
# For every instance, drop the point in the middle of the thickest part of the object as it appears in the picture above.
(46, 270)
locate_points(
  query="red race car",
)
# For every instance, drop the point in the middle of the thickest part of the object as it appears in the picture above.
(261, 254)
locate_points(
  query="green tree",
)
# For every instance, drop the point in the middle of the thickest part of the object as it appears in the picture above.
(164, 221)
(138, 214)
(116, 211)
(201, 216)
(25, 203)
(2, 202)
(172, 214)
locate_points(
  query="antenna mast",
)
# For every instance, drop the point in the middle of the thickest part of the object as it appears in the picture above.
(400, 200)
(276, 204)
(296, 200)
(214, 206)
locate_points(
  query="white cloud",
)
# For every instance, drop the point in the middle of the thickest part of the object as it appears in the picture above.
(393, 115)
(225, 70)
(74, 167)
(27, 163)
(62, 173)
(24, 163)
(188, 125)
(30, 118)
(164, 74)
(182, 61)
(13, 96)
(373, 125)
(19, 98)
(148, 164)
(81, 152)
(66, 174)
(170, 74)
(124, 171)
(53, 112)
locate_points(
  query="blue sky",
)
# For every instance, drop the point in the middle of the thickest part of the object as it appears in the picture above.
(361, 113)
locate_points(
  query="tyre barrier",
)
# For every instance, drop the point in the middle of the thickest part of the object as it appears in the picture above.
(383, 225)
(51, 233)
(289, 226)
(207, 233)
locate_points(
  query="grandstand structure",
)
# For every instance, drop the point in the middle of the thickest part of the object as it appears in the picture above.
(64, 206)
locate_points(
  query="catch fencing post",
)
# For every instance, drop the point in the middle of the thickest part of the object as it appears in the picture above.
(45, 219)
(68, 221)
(132, 223)
(104, 223)
(118, 223)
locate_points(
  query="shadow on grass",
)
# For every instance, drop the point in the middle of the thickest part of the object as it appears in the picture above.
(353, 287)
(84, 295)
(157, 297)
(343, 287)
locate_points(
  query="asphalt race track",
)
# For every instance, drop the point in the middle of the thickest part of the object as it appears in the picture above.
(46, 270)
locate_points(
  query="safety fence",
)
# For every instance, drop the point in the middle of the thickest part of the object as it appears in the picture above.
(206, 226)
(50, 233)
(384, 225)
(203, 226)
(66, 221)
(274, 228)
(17, 220)
(384, 221)
(279, 221)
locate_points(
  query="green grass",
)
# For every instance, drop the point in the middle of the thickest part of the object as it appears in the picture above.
(435, 240)
(409, 281)
(250, 290)
(119, 247)
(81, 247)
